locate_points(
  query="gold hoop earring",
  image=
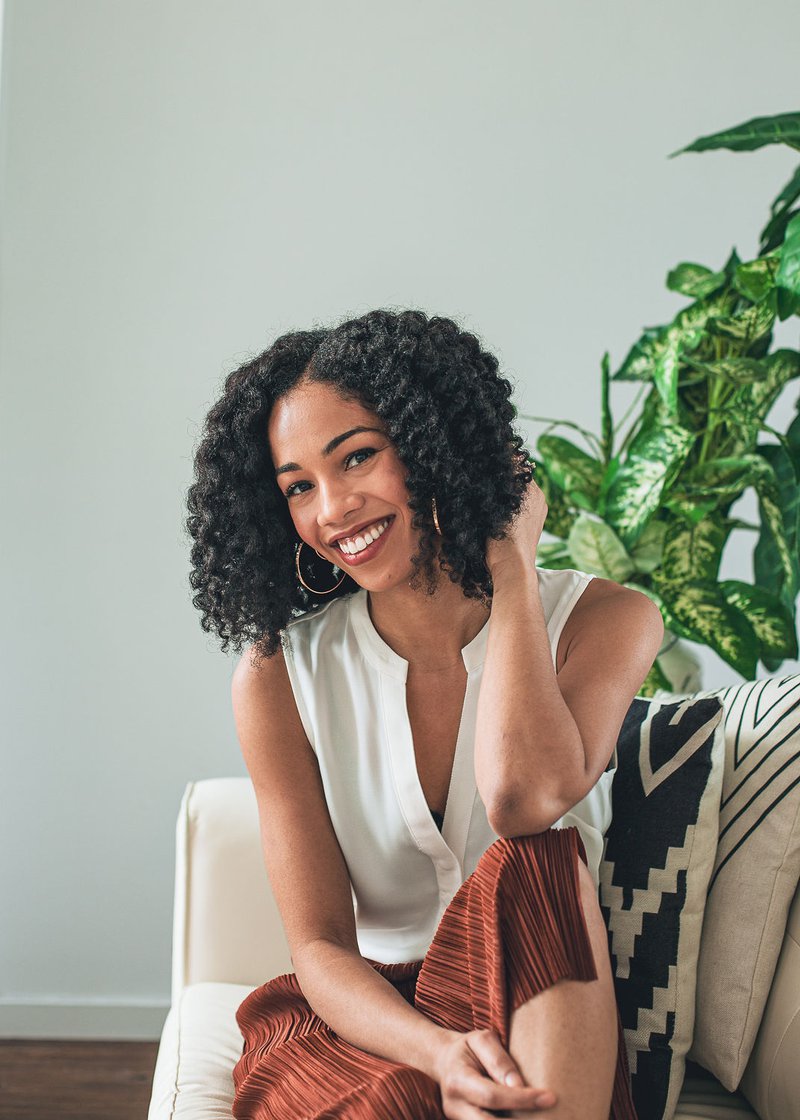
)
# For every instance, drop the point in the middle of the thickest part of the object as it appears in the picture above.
(435, 513)
(313, 590)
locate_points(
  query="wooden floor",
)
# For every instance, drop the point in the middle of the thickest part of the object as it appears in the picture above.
(75, 1080)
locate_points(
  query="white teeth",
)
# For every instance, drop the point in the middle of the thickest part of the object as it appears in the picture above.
(351, 546)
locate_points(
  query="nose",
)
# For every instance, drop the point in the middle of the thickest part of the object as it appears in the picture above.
(337, 501)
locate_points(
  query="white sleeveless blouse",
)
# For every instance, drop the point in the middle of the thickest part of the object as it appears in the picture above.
(350, 690)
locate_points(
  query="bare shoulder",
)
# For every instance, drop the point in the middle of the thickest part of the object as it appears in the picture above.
(304, 862)
(623, 609)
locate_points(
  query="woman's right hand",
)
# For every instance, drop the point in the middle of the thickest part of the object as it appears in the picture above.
(476, 1073)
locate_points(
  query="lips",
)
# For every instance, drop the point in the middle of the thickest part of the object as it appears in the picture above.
(351, 534)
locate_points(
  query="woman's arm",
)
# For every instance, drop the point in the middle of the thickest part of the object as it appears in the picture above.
(311, 885)
(542, 740)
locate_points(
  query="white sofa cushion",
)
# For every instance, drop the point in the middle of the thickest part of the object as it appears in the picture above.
(200, 1045)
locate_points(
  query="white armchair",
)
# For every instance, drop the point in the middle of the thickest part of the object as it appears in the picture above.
(228, 939)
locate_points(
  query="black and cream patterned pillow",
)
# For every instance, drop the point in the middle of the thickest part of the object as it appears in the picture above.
(657, 862)
(755, 871)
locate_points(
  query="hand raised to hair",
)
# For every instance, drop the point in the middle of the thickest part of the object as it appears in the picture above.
(517, 550)
(473, 1072)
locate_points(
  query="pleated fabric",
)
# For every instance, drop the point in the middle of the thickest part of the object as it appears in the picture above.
(514, 928)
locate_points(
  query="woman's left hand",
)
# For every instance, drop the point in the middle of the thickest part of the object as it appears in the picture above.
(522, 536)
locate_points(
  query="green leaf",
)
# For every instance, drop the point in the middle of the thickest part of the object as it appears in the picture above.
(701, 613)
(596, 548)
(739, 371)
(654, 459)
(667, 343)
(560, 515)
(756, 133)
(746, 326)
(694, 280)
(783, 366)
(747, 406)
(727, 477)
(754, 279)
(553, 555)
(788, 195)
(573, 471)
(771, 551)
(793, 440)
(773, 232)
(607, 425)
(772, 517)
(655, 680)
(693, 552)
(787, 281)
(772, 622)
(666, 371)
(648, 552)
(689, 508)
(641, 358)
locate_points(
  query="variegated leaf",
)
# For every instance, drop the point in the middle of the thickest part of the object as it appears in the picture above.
(772, 622)
(693, 552)
(654, 458)
(596, 548)
(754, 279)
(656, 679)
(746, 326)
(694, 280)
(682, 334)
(648, 552)
(579, 475)
(689, 507)
(771, 552)
(783, 367)
(772, 516)
(787, 281)
(560, 514)
(553, 554)
(706, 617)
(739, 371)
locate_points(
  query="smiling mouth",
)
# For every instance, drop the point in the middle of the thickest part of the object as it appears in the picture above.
(360, 548)
(353, 546)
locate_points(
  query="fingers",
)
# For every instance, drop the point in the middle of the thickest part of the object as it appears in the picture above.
(509, 1089)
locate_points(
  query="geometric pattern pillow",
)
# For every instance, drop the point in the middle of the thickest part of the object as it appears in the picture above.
(657, 862)
(755, 873)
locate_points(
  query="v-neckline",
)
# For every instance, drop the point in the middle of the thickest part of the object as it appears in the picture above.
(450, 844)
(473, 653)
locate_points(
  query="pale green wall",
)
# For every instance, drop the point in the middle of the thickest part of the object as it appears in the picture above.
(181, 181)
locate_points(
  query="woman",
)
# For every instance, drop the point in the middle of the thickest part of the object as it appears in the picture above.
(419, 706)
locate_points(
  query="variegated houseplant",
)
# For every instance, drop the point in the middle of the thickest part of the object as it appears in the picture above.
(653, 512)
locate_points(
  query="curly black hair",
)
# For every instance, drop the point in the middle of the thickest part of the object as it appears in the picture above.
(445, 408)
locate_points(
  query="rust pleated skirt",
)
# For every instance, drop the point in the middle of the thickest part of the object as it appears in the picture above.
(514, 928)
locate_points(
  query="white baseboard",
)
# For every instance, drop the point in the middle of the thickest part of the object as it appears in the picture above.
(100, 1020)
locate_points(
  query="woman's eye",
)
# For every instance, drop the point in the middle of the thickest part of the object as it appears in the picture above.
(291, 490)
(367, 452)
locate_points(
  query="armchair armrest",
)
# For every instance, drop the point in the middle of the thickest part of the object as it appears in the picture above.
(226, 925)
(771, 1081)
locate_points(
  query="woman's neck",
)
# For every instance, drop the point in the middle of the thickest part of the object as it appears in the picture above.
(427, 631)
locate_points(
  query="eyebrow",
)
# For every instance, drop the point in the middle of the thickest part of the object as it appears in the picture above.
(329, 448)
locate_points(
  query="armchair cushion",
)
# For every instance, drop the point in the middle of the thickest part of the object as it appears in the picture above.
(755, 872)
(658, 858)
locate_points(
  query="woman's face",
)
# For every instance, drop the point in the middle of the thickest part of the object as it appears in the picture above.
(343, 483)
